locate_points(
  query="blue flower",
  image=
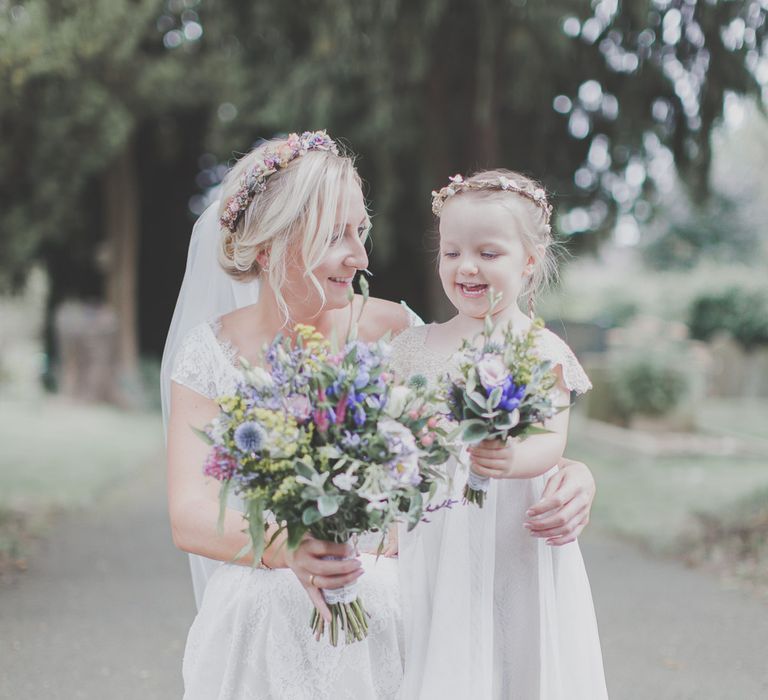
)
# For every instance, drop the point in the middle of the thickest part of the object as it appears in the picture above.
(512, 395)
(249, 437)
(359, 415)
(350, 440)
(362, 378)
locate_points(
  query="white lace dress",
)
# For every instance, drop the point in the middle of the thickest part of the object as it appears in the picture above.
(251, 637)
(489, 611)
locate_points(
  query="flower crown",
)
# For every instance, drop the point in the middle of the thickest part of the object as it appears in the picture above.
(525, 189)
(273, 158)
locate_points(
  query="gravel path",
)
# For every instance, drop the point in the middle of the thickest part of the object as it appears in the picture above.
(104, 609)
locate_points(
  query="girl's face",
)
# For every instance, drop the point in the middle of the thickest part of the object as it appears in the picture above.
(480, 249)
(336, 271)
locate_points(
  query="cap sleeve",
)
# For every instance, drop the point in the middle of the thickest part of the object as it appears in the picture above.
(413, 318)
(195, 363)
(556, 350)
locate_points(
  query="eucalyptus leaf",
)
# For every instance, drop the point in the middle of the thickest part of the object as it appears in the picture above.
(304, 470)
(295, 533)
(535, 430)
(477, 397)
(224, 489)
(202, 435)
(474, 431)
(327, 505)
(310, 516)
(256, 526)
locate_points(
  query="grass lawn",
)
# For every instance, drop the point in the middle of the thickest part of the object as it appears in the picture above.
(653, 499)
(57, 454)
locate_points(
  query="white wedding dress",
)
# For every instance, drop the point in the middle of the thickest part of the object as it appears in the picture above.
(251, 638)
(489, 611)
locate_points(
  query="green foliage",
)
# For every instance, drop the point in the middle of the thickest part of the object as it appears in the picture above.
(741, 313)
(714, 230)
(80, 78)
(652, 384)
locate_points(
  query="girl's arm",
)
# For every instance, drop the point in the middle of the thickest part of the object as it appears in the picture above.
(193, 505)
(524, 459)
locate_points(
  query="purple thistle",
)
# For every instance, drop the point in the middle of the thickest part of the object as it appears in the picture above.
(249, 436)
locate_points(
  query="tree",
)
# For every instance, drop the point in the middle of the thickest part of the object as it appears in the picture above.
(80, 80)
(581, 94)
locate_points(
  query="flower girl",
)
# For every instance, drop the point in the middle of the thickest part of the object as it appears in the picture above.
(489, 611)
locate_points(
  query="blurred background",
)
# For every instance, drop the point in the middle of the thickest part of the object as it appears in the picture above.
(646, 121)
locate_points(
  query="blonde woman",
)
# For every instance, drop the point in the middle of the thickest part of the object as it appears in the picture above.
(293, 219)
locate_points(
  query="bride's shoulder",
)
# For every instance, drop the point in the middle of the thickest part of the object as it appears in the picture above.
(381, 317)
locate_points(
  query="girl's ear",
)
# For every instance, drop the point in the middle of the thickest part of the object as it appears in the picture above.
(530, 263)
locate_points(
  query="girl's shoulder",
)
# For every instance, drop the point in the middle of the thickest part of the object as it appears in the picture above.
(553, 348)
(408, 351)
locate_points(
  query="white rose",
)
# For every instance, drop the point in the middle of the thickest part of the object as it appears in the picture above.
(406, 469)
(398, 398)
(397, 432)
(491, 371)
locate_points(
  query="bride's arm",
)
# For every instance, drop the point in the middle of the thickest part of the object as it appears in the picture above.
(565, 505)
(193, 505)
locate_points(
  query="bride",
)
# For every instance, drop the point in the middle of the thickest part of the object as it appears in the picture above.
(284, 248)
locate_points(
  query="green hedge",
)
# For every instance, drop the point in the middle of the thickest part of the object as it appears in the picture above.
(741, 313)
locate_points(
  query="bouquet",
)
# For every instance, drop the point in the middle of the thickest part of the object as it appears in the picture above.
(324, 440)
(502, 390)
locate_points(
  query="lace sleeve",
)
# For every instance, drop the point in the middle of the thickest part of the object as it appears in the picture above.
(405, 347)
(195, 364)
(554, 349)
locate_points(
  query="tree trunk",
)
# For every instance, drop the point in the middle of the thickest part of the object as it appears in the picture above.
(121, 207)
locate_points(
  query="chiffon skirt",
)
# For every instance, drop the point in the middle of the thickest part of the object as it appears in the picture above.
(491, 612)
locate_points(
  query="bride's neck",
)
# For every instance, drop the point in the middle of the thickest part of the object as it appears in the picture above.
(270, 318)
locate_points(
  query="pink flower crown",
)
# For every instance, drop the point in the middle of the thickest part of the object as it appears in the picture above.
(273, 158)
(503, 184)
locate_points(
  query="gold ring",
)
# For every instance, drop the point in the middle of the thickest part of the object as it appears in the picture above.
(312, 580)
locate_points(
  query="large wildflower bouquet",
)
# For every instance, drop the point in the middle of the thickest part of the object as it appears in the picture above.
(502, 390)
(325, 441)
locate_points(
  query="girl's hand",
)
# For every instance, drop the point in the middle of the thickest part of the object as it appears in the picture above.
(314, 572)
(493, 459)
(563, 510)
(390, 545)
(391, 548)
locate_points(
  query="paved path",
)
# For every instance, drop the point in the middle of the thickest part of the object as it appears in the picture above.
(103, 612)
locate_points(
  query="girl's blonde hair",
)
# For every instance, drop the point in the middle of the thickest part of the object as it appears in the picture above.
(531, 212)
(297, 206)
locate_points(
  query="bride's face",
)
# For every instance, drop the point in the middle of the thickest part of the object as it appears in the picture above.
(337, 269)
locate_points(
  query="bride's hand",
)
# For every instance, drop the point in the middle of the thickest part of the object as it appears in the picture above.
(314, 572)
(563, 510)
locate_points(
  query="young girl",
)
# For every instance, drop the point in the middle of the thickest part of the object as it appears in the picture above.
(490, 612)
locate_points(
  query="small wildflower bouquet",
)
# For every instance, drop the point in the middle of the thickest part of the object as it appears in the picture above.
(324, 440)
(502, 390)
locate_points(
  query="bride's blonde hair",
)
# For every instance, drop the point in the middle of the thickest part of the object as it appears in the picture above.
(297, 204)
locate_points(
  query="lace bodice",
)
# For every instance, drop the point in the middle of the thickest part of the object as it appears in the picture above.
(410, 355)
(204, 363)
